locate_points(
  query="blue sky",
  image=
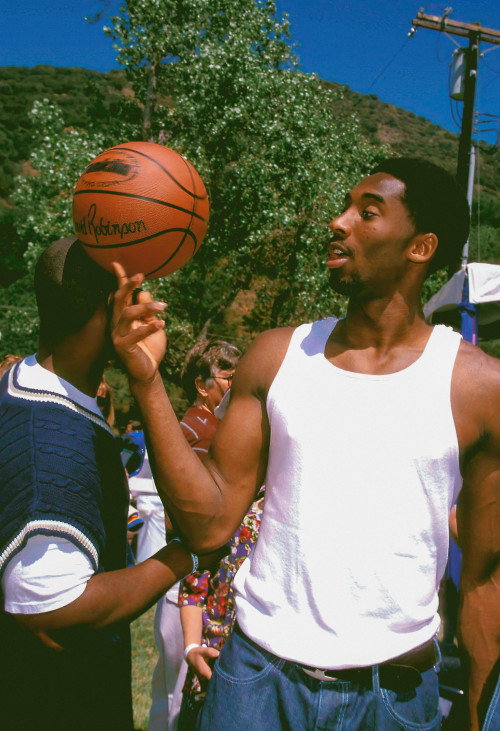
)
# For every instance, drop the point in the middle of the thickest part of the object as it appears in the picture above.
(359, 43)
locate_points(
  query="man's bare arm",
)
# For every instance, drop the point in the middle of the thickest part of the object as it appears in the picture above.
(478, 519)
(478, 527)
(206, 501)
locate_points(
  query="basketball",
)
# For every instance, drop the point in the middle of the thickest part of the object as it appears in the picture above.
(143, 205)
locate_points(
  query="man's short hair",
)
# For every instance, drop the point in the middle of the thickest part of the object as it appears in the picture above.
(436, 204)
(204, 360)
(69, 287)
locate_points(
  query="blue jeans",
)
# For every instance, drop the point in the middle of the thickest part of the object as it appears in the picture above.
(492, 720)
(254, 690)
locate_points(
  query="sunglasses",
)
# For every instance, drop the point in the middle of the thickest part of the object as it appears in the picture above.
(229, 379)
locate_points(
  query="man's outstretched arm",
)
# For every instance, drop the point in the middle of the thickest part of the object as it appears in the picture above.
(206, 501)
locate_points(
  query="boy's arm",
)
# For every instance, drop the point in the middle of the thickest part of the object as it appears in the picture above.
(116, 595)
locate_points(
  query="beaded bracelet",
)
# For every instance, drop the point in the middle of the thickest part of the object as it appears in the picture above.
(193, 555)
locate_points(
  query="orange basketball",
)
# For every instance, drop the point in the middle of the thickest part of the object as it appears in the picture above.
(143, 205)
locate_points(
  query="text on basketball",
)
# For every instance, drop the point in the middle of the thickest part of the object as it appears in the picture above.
(90, 227)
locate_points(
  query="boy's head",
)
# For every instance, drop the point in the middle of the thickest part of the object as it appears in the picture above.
(69, 287)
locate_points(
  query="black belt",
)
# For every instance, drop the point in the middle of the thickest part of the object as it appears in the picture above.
(400, 673)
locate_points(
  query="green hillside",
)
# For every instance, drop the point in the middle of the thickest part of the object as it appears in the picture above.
(86, 97)
(90, 99)
(98, 102)
(408, 134)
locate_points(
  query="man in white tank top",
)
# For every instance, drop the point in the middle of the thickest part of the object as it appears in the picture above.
(363, 431)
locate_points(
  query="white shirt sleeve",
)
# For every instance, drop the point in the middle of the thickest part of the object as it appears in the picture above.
(48, 573)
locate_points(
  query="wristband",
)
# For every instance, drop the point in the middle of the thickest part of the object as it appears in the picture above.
(189, 648)
(194, 557)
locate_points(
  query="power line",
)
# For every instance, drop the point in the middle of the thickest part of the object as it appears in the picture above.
(475, 33)
(387, 65)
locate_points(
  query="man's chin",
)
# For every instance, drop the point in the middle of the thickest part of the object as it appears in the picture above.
(346, 285)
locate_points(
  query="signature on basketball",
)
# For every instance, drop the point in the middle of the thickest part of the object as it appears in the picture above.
(90, 227)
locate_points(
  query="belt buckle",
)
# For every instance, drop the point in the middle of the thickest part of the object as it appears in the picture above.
(318, 674)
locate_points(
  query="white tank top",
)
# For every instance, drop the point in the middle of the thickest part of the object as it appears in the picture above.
(363, 471)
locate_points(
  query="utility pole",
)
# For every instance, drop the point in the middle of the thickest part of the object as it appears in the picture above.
(476, 33)
(464, 145)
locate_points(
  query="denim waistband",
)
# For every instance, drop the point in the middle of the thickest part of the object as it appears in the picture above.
(401, 673)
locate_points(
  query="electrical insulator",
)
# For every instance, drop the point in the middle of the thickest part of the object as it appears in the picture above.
(458, 74)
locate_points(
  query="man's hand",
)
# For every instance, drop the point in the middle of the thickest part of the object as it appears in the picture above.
(198, 657)
(137, 333)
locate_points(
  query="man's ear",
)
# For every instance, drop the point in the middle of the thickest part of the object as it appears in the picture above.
(423, 248)
(200, 386)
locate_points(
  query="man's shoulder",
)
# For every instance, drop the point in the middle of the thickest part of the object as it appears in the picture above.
(270, 345)
(476, 369)
(266, 354)
(276, 335)
(65, 423)
(275, 342)
(476, 389)
(258, 367)
(54, 440)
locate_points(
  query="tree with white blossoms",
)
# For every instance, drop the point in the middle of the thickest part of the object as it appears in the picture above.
(43, 201)
(43, 198)
(220, 83)
(42, 204)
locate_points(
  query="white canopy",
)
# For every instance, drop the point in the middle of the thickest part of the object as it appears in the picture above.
(484, 289)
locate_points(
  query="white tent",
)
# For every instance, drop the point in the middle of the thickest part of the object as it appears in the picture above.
(484, 290)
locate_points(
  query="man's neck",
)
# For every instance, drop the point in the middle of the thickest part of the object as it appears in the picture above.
(378, 337)
(382, 324)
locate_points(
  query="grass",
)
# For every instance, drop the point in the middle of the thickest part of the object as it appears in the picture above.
(144, 657)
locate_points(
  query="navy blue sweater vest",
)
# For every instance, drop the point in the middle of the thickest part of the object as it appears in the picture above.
(61, 474)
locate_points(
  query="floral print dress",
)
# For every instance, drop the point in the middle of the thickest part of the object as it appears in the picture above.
(214, 591)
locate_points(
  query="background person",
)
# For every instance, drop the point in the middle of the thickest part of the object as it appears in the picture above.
(105, 401)
(7, 363)
(206, 601)
(144, 494)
